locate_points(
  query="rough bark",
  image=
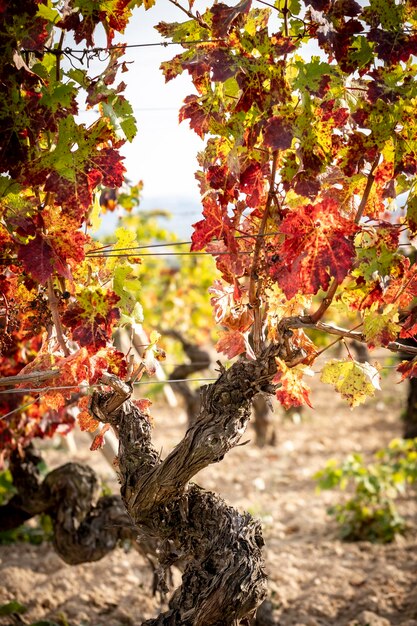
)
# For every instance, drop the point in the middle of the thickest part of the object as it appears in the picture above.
(86, 527)
(199, 361)
(219, 548)
(89, 543)
(224, 579)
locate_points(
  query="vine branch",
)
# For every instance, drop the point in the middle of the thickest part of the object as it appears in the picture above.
(305, 322)
(326, 302)
(53, 305)
(368, 187)
(31, 376)
(190, 14)
(224, 579)
(253, 281)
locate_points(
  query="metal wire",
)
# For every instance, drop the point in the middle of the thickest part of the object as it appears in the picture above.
(119, 256)
(19, 408)
(121, 46)
(168, 245)
(86, 386)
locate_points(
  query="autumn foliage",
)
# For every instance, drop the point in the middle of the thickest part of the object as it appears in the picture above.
(307, 187)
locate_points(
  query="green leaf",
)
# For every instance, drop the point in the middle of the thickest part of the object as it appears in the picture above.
(12, 607)
(120, 113)
(80, 76)
(48, 13)
(8, 186)
(119, 278)
(388, 13)
(311, 73)
(361, 52)
(129, 128)
(381, 328)
(356, 382)
(59, 96)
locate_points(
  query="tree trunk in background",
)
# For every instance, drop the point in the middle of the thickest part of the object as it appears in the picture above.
(410, 414)
(86, 527)
(199, 361)
(263, 423)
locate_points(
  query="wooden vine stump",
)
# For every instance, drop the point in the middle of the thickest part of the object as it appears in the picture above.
(218, 548)
(224, 579)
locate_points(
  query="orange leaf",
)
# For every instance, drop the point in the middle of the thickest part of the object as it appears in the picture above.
(98, 441)
(87, 421)
(293, 390)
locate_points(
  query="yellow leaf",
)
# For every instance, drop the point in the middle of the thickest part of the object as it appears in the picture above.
(354, 381)
(381, 327)
(154, 336)
(125, 242)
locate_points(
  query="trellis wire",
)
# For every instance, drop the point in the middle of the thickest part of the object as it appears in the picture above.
(166, 244)
(20, 408)
(87, 386)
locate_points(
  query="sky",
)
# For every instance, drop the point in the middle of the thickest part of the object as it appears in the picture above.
(163, 153)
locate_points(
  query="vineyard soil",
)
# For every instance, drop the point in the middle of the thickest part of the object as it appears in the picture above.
(315, 579)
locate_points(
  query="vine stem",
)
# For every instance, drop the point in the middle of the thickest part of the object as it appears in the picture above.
(32, 376)
(304, 322)
(58, 56)
(190, 14)
(254, 300)
(53, 306)
(297, 322)
(285, 12)
(333, 343)
(326, 302)
(368, 187)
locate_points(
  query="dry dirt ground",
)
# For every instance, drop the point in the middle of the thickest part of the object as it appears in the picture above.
(315, 579)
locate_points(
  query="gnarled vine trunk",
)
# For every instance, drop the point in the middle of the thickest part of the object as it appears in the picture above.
(220, 548)
(200, 360)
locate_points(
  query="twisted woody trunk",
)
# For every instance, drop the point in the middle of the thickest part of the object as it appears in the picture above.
(220, 548)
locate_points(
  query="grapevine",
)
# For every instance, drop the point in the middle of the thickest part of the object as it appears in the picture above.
(307, 183)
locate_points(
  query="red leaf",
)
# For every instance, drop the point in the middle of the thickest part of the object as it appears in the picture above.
(87, 422)
(37, 36)
(216, 225)
(119, 16)
(316, 247)
(143, 405)
(91, 328)
(233, 342)
(99, 441)
(107, 360)
(293, 390)
(110, 168)
(408, 369)
(278, 134)
(220, 178)
(409, 326)
(198, 116)
(40, 260)
(227, 311)
(225, 16)
(253, 184)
